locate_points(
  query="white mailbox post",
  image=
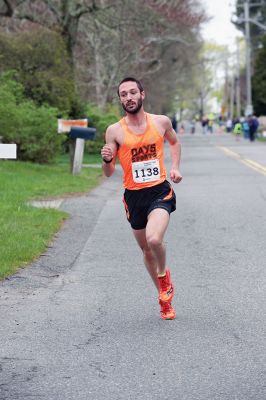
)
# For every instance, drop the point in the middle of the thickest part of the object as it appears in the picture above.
(78, 132)
(76, 146)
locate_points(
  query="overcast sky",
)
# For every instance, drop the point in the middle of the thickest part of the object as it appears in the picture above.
(220, 29)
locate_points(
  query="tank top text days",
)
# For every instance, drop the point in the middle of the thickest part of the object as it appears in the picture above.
(143, 153)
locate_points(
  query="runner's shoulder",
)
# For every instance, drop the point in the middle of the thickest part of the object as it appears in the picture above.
(161, 120)
(113, 129)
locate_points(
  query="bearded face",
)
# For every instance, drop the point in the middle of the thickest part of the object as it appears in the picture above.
(132, 106)
(131, 97)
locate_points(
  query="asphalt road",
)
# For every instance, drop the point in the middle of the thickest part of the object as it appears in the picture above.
(83, 322)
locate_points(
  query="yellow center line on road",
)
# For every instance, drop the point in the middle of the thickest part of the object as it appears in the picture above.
(249, 163)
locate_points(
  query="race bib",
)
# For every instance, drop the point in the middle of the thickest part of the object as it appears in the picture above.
(146, 171)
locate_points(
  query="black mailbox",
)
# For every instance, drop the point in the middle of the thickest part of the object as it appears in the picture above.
(82, 133)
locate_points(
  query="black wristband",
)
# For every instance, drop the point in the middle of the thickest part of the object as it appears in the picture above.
(107, 162)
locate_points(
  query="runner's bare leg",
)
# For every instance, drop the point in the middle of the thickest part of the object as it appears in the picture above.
(158, 221)
(149, 258)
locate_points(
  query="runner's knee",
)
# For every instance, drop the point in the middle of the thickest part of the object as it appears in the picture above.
(147, 250)
(154, 241)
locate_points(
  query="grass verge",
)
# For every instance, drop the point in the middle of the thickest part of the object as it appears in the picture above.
(87, 159)
(26, 231)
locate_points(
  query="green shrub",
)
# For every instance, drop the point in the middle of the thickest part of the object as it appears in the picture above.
(32, 128)
(99, 119)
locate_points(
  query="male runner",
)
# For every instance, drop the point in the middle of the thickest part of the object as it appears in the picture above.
(138, 141)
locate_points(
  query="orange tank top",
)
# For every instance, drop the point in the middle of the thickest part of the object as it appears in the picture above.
(142, 156)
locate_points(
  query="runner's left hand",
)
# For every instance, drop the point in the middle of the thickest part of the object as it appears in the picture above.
(175, 175)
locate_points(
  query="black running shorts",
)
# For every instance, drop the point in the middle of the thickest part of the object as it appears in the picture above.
(139, 203)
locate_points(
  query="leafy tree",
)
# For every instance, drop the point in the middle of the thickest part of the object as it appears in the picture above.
(42, 64)
(108, 39)
(257, 12)
(259, 81)
(62, 15)
(152, 40)
(100, 120)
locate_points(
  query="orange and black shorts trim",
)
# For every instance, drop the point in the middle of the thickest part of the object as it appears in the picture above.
(139, 203)
(126, 208)
(169, 195)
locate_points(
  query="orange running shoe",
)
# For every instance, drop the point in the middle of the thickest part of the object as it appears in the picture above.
(167, 311)
(166, 287)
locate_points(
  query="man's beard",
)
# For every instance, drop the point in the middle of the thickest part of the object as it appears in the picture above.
(133, 110)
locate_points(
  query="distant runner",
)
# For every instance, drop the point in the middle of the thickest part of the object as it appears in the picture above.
(138, 141)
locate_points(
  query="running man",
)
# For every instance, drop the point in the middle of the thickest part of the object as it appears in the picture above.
(138, 141)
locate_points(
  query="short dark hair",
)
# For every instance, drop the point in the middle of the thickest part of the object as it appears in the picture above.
(130, 79)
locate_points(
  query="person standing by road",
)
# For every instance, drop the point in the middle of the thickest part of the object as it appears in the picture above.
(238, 129)
(245, 126)
(253, 127)
(138, 141)
(174, 124)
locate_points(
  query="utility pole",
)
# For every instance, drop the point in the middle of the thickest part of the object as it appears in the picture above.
(238, 97)
(232, 96)
(249, 106)
(226, 90)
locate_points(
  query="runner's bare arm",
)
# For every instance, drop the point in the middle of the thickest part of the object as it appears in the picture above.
(109, 151)
(175, 150)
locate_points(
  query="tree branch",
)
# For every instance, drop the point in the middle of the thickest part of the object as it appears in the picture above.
(10, 7)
